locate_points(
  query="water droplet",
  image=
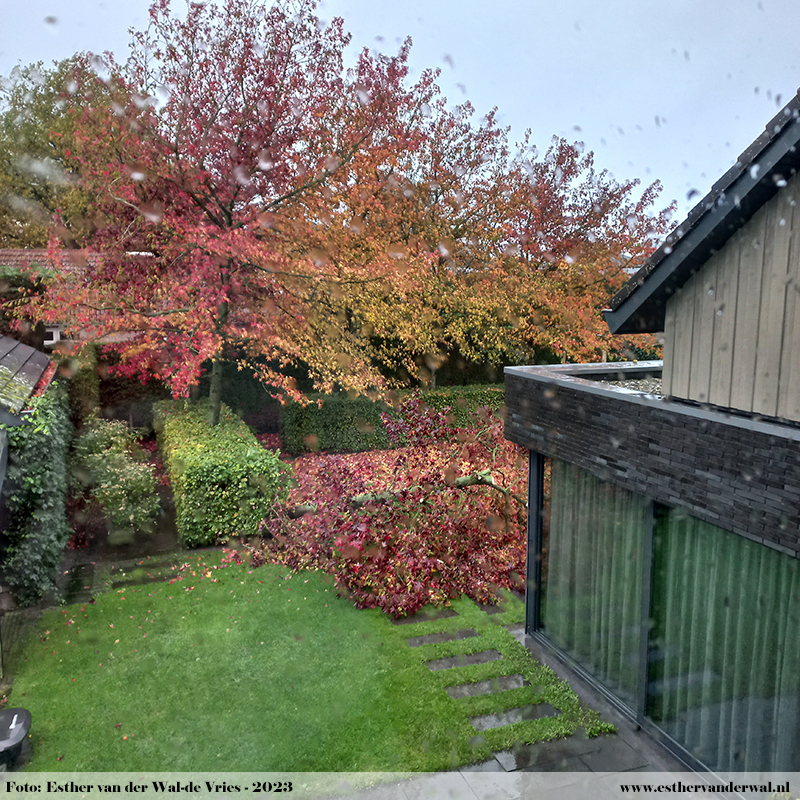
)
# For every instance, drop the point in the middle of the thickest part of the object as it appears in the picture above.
(754, 170)
(265, 163)
(242, 175)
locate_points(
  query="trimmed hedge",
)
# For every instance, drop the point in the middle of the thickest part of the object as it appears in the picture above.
(223, 480)
(340, 425)
(353, 425)
(465, 400)
(35, 490)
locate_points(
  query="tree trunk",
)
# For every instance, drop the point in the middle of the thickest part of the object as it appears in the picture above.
(215, 393)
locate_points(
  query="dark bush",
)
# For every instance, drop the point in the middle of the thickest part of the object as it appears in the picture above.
(84, 386)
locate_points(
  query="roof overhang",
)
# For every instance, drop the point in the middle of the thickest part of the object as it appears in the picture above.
(756, 177)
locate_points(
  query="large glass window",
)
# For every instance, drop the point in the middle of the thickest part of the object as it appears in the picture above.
(724, 660)
(593, 579)
(723, 650)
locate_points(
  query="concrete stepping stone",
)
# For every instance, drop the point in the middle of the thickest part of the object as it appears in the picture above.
(464, 660)
(438, 638)
(502, 684)
(426, 615)
(521, 714)
(517, 631)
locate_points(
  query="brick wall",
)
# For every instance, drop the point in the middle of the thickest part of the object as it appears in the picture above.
(736, 471)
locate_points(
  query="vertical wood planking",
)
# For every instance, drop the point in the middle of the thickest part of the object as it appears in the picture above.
(789, 387)
(748, 306)
(669, 346)
(725, 323)
(705, 299)
(772, 306)
(682, 357)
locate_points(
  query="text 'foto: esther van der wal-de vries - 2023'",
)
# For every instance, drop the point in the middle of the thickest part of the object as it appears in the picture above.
(218, 787)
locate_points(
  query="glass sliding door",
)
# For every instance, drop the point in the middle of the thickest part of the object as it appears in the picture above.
(724, 655)
(593, 576)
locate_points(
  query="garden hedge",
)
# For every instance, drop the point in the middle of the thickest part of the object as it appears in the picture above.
(84, 387)
(35, 490)
(223, 480)
(465, 400)
(353, 425)
(340, 425)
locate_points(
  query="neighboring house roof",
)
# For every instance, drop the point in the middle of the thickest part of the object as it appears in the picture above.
(18, 259)
(759, 172)
(24, 374)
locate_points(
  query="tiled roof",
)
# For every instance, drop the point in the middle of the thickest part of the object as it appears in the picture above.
(19, 258)
(753, 180)
(21, 371)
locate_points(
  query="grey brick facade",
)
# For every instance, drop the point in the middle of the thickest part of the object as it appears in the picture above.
(736, 471)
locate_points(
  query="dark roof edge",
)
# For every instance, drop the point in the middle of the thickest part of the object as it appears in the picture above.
(713, 218)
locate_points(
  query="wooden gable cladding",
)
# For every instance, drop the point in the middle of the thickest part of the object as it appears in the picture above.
(732, 332)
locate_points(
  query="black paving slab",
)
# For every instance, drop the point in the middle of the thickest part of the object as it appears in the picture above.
(483, 657)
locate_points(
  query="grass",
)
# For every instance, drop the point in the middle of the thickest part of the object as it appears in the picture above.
(234, 669)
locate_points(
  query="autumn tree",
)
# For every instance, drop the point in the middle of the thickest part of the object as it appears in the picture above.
(254, 200)
(523, 250)
(38, 182)
(215, 165)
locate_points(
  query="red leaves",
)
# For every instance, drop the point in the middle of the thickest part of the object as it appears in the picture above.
(431, 540)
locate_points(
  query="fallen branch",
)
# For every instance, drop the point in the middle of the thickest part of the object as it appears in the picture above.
(482, 478)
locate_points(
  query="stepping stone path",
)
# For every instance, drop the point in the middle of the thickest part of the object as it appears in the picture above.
(493, 685)
(501, 684)
(532, 711)
(464, 661)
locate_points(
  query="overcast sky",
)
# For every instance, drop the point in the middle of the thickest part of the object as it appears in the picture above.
(671, 90)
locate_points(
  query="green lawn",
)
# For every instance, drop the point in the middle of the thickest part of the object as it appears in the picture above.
(261, 670)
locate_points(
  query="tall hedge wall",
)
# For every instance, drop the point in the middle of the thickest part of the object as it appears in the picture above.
(351, 425)
(223, 480)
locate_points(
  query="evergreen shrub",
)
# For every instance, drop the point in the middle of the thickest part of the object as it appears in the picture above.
(353, 425)
(108, 462)
(36, 488)
(224, 481)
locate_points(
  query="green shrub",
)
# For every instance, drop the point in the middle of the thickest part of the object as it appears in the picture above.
(36, 488)
(341, 425)
(224, 481)
(353, 425)
(109, 463)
